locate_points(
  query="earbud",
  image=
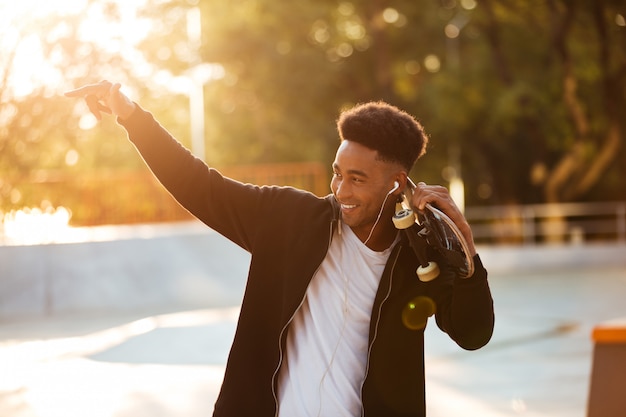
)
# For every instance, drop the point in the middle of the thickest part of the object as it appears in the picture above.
(396, 185)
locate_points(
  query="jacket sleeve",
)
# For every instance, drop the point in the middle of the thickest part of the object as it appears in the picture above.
(227, 206)
(465, 307)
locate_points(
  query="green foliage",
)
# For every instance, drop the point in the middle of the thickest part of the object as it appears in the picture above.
(485, 77)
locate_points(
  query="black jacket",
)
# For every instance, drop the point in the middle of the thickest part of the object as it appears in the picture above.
(288, 232)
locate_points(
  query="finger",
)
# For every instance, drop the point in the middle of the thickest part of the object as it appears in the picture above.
(114, 91)
(104, 108)
(83, 91)
(430, 194)
(100, 89)
(421, 196)
(104, 91)
(94, 106)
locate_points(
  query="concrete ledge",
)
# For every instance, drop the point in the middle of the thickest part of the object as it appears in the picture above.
(187, 265)
(608, 376)
(188, 271)
(610, 332)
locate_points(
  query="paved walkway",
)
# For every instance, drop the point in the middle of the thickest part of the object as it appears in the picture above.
(164, 365)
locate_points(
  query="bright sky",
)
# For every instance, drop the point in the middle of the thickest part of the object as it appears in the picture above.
(19, 19)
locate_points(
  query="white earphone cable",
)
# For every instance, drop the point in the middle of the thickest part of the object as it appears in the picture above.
(380, 213)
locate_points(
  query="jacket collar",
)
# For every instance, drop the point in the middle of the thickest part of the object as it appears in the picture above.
(336, 212)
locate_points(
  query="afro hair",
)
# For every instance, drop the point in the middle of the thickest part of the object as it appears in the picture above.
(396, 135)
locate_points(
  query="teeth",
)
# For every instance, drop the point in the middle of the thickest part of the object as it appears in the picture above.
(348, 206)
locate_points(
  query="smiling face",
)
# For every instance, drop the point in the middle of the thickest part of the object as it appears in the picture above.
(361, 181)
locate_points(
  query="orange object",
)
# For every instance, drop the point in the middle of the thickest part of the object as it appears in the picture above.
(610, 332)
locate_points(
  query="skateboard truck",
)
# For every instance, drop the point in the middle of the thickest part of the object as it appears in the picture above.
(405, 220)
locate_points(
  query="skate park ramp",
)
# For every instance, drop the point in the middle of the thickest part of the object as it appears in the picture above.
(123, 269)
(137, 321)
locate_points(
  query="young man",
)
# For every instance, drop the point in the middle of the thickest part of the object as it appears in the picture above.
(320, 331)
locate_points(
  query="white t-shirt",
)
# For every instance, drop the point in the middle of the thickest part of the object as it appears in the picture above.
(326, 355)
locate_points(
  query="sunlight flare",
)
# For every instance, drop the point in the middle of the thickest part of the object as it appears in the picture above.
(27, 24)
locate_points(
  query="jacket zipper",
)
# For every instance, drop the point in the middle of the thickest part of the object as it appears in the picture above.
(280, 337)
(380, 308)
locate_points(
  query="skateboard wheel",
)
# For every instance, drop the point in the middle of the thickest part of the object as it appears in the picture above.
(428, 273)
(403, 219)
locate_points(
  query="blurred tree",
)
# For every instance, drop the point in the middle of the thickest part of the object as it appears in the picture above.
(269, 98)
(288, 68)
(524, 96)
(497, 84)
(550, 129)
(41, 132)
(597, 126)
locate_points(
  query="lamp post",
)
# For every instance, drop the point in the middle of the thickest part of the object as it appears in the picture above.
(454, 177)
(196, 88)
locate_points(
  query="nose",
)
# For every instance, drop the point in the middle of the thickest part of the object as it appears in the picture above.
(336, 186)
(342, 190)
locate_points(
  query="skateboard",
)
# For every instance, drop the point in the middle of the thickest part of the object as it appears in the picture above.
(432, 228)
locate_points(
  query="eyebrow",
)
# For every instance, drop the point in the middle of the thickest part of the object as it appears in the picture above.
(351, 171)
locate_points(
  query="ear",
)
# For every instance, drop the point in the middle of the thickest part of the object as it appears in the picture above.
(401, 178)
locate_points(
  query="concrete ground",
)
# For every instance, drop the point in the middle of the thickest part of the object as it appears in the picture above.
(167, 358)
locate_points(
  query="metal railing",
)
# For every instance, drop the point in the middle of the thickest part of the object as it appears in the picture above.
(136, 197)
(545, 223)
(125, 197)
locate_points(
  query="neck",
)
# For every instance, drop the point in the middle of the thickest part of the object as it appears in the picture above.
(383, 235)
